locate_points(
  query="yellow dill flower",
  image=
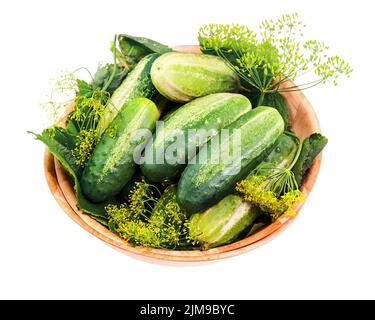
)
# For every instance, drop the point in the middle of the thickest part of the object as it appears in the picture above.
(86, 141)
(254, 191)
(93, 106)
(111, 132)
(150, 219)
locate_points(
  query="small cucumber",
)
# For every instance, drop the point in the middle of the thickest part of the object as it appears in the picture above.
(225, 221)
(182, 77)
(111, 165)
(210, 113)
(207, 178)
(136, 85)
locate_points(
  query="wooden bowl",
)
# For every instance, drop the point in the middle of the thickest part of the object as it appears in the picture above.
(303, 121)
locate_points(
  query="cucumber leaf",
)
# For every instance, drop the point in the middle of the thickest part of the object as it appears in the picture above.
(276, 100)
(59, 143)
(58, 140)
(84, 88)
(103, 75)
(135, 48)
(311, 148)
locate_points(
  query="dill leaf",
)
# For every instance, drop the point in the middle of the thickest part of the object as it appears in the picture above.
(267, 60)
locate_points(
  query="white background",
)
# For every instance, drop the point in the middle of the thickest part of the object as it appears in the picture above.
(327, 253)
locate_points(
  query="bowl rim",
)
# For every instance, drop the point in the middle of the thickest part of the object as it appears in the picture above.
(60, 185)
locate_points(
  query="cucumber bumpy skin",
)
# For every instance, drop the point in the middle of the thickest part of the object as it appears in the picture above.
(112, 165)
(204, 184)
(181, 77)
(225, 221)
(137, 84)
(210, 113)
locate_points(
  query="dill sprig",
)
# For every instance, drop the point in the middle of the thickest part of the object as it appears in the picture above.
(64, 89)
(150, 219)
(256, 191)
(87, 111)
(267, 60)
(279, 180)
(85, 142)
(89, 103)
(273, 188)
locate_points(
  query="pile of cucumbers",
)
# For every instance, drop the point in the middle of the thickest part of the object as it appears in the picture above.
(204, 90)
(206, 87)
(162, 92)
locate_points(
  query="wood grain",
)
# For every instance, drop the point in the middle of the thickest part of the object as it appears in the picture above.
(304, 122)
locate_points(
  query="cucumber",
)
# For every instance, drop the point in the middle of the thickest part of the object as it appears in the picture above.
(182, 77)
(283, 153)
(207, 178)
(225, 221)
(137, 84)
(111, 165)
(210, 113)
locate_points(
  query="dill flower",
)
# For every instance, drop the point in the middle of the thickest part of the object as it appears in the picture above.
(267, 60)
(255, 191)
(86, 141)
(149, 221)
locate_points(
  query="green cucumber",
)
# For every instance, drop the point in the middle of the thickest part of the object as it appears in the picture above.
(182, 77)
(225, 221)
(136, 85)
(210, 113)
(111, 165)
(207, 178)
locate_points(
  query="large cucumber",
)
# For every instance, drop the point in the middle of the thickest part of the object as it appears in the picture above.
(182, 77)
(208, 178)
(206, 116)
(225, 221)
(137, 84)
(112, 165)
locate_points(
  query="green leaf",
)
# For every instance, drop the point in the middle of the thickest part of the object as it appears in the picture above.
(148, 44)
(72, 127)
(84, 89)
(276, 100)
(135, 48)
(311, 148)
(104, 73)
(58, 141)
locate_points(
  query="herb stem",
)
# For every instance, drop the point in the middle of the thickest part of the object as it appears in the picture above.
(261, 99)
(84, 68)
(114, 66)
(297, 154)
(302, 86)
